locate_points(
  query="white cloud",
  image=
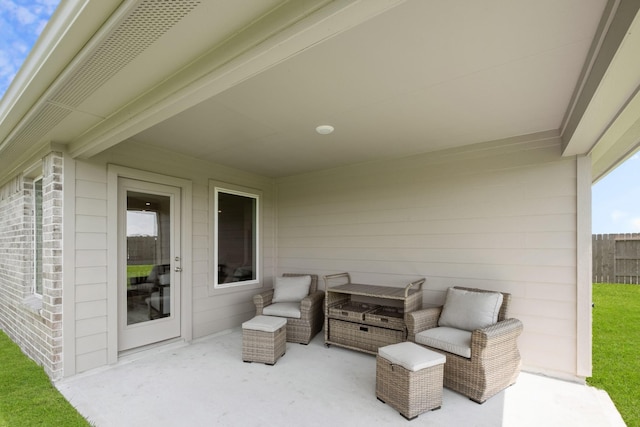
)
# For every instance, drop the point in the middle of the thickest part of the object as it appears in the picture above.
(141, 223)
(21, 47)
(21, 14)
(49, 6)
(617, 215)
(635, 225)
(24, 15)
(21, 22)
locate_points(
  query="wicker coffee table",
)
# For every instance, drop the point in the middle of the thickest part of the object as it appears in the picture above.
(409, 378)
(264, 339)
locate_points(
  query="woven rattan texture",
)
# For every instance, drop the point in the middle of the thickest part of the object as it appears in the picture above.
(263, 347)
(410, 393)
(495, 359)
(386, 317)
(364, 337)
(311, 319)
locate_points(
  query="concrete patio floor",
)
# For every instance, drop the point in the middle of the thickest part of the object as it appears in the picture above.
(205, 383)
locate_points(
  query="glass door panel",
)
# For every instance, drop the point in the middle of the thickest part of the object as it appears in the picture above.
(148, 252)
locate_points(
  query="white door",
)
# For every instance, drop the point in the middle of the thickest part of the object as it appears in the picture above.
(149, 263)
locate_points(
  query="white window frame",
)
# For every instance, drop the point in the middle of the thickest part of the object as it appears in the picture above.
(216, 188)
(35, 239)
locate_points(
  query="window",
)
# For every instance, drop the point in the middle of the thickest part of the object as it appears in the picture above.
(37, 227)
(235, 237)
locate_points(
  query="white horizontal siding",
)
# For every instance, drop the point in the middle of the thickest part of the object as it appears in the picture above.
(90, 266)
(91, 326)
(90, 344)
(497, 216)
(91, 258)
(86, 293)
(87, 361)
(91, 309)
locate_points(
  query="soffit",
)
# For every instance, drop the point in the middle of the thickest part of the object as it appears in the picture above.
(423, 76)
(245, 83)
(133, 49)
(149, 42)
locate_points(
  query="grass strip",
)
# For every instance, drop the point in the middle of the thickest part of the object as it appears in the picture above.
(27, 397)
(616, 346)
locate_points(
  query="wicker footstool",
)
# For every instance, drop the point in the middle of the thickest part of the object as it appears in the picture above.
(409, 378)
(264, 339)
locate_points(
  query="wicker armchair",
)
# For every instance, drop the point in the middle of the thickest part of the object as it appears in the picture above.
(494, 362)
(299, 330)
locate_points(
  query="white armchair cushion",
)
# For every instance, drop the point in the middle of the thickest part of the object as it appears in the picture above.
(283, 309)
(470, 310)
(451, 340)
(291, 289)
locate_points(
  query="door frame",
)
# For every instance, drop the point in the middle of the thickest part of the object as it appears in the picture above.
(114, 173)
(151, 331)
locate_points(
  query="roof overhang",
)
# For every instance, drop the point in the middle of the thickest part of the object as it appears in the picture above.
(413, 77)
(605, 120)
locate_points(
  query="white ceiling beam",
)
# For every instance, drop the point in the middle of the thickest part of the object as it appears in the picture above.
(610, 82)
(619, 142)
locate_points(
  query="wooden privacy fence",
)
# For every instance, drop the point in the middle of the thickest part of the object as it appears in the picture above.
(616, 258)
(141, 249)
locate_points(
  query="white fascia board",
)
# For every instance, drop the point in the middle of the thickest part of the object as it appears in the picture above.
(619, 142)
(596, 122)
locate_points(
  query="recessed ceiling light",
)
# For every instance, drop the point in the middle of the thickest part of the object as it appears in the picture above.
(324, 129)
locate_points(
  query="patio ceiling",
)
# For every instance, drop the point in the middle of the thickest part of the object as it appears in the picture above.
(244, 84)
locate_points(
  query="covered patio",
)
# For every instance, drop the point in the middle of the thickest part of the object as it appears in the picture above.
(309, 386)
(467, 137)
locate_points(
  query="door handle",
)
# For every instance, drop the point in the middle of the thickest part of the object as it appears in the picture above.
(178, 269)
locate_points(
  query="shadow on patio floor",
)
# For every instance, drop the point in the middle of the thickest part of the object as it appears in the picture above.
(205, 383)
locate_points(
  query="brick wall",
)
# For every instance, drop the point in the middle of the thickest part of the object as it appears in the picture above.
(33, 322)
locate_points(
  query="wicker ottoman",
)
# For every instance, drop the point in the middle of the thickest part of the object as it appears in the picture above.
(409, 378)
(264, 339)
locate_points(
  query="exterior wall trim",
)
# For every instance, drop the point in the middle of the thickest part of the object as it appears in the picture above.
(68, 267)
(584, 296)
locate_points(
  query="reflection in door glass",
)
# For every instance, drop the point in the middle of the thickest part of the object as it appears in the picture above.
(148, 257)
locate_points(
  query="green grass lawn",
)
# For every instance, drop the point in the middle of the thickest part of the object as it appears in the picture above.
(138, 270)
(616, 346)
(27, 397)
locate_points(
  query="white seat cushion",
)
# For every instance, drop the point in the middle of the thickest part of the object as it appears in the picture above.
(411, 356)
(264, 323)
(283, 309)
(291, 289)
(451, 340)
(470, 310)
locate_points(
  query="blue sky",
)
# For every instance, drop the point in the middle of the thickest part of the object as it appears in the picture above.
(616, 198)
(21, 22)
